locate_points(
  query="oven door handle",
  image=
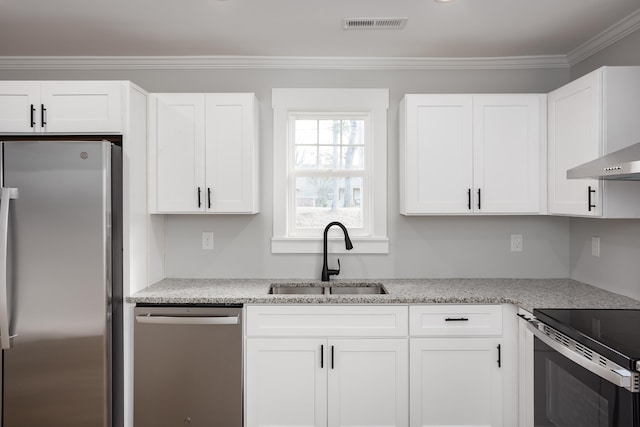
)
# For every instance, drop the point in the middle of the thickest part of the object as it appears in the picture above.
(619, 377)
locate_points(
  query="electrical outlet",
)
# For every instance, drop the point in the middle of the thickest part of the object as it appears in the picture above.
(207, 240)
(516, 243)
(595, 246)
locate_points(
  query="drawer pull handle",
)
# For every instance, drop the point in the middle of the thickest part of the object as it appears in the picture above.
(456, 319)
(332, 357)
(321, 356)
(589, 204)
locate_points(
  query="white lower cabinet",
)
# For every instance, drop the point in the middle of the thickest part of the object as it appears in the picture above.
(463, 369)
(456, 382)
(286, 382)
(318, 380)
(368, 382)
(393, 366)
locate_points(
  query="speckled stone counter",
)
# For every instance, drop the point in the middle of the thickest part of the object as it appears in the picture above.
(525, 293)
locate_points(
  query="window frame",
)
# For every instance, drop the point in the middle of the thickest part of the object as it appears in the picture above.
(287, 103)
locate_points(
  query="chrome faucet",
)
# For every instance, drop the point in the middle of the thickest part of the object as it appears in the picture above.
(326, 271)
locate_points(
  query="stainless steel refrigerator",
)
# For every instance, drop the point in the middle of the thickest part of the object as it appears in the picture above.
(61, 283)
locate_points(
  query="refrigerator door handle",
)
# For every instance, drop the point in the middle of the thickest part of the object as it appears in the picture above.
(7, 195)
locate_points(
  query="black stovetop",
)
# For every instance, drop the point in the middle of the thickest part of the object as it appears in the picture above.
(615, 334)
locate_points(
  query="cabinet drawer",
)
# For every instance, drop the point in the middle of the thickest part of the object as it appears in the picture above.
(327, 321)
(455, 320)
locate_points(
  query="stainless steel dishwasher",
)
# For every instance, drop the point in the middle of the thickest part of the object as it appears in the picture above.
(188, 366)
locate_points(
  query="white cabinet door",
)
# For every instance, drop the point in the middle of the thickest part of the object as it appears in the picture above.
(19, 107)
(231, 153)
(436, 155)
(203, 155)
(575, 124)
(507, 141)
(177, 175)
(87, 107)
(81, 107)
(286, 382)
(466, 154)
(368, 382)
(455, 382)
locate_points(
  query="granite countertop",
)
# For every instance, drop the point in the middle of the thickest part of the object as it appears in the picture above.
(525, 293)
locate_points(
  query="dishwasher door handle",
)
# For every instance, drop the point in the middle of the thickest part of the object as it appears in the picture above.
(187, 320)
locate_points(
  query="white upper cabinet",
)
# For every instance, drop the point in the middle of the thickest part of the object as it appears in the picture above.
(436, 164)
(472, 154)
(87, 107)
(203, 155)
(589, 117)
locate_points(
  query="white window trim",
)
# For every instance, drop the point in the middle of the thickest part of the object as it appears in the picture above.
(372, 101)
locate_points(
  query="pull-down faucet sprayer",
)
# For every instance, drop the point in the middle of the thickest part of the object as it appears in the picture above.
(326, 271)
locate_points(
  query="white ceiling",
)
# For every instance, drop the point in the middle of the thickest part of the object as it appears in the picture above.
(461, 29)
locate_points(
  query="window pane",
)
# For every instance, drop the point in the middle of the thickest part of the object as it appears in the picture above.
(353, 132)
(306, 132)
(352, 157)
(322, 200)
(307, 157)
(329, 157)
(339, 144)
(329, 132)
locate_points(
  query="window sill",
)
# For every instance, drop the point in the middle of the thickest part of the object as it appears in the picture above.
(313, 245)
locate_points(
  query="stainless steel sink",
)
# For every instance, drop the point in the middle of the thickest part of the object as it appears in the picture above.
(286, 289)
(359, 289)
(347, 288)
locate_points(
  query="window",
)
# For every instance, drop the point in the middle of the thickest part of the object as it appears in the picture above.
(329, 156)
(329, 169)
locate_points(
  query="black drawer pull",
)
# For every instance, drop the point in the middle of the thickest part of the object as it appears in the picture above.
(469, 199)
(321, 356)
(456, 319)
(33, 119)
(332, 357)
(199, 199)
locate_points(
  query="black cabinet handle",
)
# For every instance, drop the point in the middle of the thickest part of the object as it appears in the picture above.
(479, 198)
(456, 319)
(33, 116)
(321, 356)
(199, 200)
(43, 116)
(209, 197)
(523, 316)
(469, 199)
(332, 357)
(499, 356)
(589, 197)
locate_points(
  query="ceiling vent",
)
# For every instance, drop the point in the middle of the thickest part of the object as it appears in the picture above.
(374, 23)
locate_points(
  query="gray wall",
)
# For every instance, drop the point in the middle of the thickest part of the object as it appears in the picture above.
(419, 247)
(618, 267)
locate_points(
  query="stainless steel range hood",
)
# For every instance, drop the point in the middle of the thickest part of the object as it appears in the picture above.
(623, 165)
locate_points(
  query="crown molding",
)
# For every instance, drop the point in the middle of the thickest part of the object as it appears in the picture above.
(284, 62)
(617, 31)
